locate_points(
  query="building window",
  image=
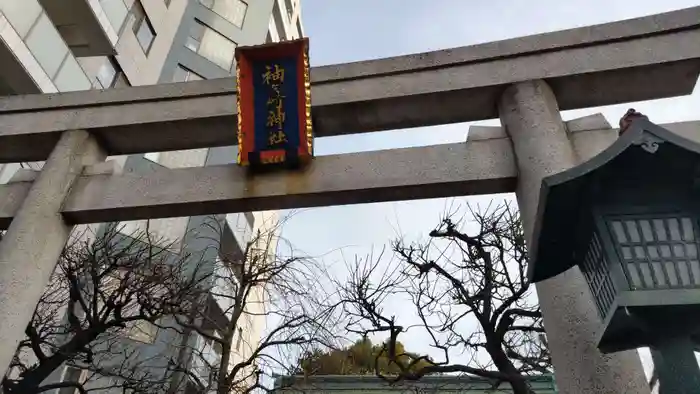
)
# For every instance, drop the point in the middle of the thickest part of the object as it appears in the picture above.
(107, 74)
(71, 77)
(207, 356)
(142, 331)
(137, 330)
(299, 29)
(211, 45)
(232, 10)
(7, 171)
(71, 374)
(183, 74)
(239, 340)
(290, 8)
(121, 80)
(241, 228)
(250, 218)
(279, 21)
(111, 75)
(116, 12)
(46, 45)
(142, 27)
(152, 156)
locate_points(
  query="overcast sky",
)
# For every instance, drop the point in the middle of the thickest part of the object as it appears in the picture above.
(353, 30)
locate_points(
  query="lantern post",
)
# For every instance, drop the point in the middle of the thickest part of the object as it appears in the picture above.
(630, 219)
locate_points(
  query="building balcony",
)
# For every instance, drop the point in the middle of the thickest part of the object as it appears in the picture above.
(84, 26)
(33, 56)
(15, 78)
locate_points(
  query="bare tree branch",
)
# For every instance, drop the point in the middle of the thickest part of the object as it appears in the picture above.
(470, 294)
(103, 286)
(60, 385)
(266, 282)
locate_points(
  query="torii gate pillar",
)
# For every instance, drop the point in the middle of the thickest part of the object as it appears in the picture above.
(530, 114)
(34, 241)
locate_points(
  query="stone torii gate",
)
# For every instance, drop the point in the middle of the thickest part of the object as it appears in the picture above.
(524, 81)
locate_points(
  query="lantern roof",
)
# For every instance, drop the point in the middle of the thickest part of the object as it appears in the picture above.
(644, 159)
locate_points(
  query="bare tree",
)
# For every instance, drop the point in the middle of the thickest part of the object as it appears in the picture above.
(104, 288)
(228, 350)
(470, 294)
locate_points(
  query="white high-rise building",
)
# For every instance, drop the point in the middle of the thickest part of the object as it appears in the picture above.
(49, 46)
(53, 46)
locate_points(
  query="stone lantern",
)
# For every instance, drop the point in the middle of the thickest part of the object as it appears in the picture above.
(630, 219)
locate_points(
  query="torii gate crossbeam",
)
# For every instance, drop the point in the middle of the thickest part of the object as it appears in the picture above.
(525, 81)
(483, 165)
(627, 61)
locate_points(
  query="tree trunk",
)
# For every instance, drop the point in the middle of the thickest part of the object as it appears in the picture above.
(178, 381)
(222, 384)
(222, 378)
(31, 379)
(517, 381)
(520, 385)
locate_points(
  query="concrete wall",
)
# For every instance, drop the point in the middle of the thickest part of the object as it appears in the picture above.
(35, 58)
(171, 229)
(142, 68)
(253, 31)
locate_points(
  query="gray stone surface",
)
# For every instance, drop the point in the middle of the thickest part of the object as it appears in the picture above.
(531, 116)
(588, 143)
(34, 240)
(24, 175)
(590, 135)
(108, 167)
(479, 133)
(587, 123)
(554, 41)
(484, 165)
(652, 57)
(477, 167)
(660, 24)
(11, 197)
